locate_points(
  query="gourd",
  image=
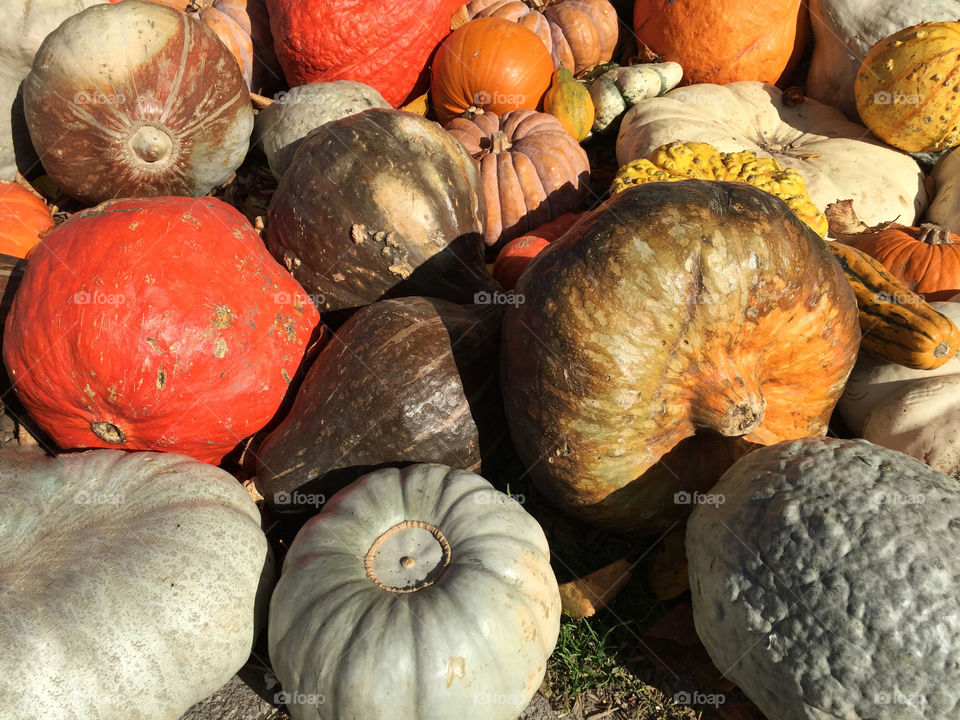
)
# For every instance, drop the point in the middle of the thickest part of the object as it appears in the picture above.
(905, 88)
(380, 204)
(833, 155)
(426, 579)
(620, 88)
(169, 117)
(569, 101)
(671, 329)
(490, 64)
(325, 40)
(532, 169)
(283, 125)
(24, 217)
(111, 341)
(818, 574)
(406, 380)
(148, 572)
(514, 257)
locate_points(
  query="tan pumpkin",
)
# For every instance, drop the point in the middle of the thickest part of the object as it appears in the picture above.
(532, 169)
(580, 34)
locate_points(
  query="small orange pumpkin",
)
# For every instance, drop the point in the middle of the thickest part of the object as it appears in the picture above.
(490, 64)
(517, 254)
(23, 218)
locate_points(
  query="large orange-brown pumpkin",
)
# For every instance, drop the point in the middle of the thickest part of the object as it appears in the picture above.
(671, 329)
(23, 217)
(723, 41)
(491, 64)
(532, 169)
(580, 34)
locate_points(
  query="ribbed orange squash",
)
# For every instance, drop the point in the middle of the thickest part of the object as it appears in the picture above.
(23, 217)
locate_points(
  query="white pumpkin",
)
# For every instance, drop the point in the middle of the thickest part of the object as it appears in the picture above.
(873, 379)
(129, 583)
(845, 30)
(944, 208)
(23, 26)
(836, 157)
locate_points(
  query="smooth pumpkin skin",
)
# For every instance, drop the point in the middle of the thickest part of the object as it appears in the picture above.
(473, 645)
(388, 49)
(492, 64)
(110, 118)
(23, 217)
(110, 325)
(673, 313)
(723, 41)
(514, 257)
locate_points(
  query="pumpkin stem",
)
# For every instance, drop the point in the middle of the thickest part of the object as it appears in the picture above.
(499, 142)
(108, 432)
(933, 234)
(151, 145)
(731, 418)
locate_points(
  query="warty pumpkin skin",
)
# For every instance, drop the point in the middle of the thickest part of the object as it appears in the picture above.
(406, 380)
(672, 314)
(111, 118)
(155, 324)
(380, 204)
(23, 217)
(532, 169)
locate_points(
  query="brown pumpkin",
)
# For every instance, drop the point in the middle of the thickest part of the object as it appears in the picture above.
(671, 329)
(531, 168)
(580, 34)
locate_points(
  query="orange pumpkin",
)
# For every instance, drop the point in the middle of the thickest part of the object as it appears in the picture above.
(723, 41)
(23, 218)
(490, 64)
(517, 254)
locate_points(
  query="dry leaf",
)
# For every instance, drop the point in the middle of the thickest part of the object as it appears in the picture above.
(584, 596)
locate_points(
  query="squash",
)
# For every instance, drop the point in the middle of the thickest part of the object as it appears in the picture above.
(427, 580)
(531, 168)
(514, 257)
(148, 572)
(489, 64)
(944, 208)
(826, 563)
(724, 41)
(699, 161)
(569, 101)
(171, 117)
(406, 380)
(905, 88)
(380, 204)
(898, 325)
(580, 34)
(24, 217)
(834, 156)
(672, 328)
(324, 40)
(112, 342)
(846, 30)
(281, 127)
(23, 26)
(620, 88)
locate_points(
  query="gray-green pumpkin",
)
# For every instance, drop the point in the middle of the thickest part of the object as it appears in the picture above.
(826, 582)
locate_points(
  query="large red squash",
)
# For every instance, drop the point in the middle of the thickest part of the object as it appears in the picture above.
(158, 324)
(386, 47)
(23, 216)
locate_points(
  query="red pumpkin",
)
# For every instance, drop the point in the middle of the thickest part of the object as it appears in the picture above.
(388, 48)
(155, 324)
(23, 217)
(517, 254)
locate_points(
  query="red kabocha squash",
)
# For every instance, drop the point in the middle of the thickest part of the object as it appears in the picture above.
(580, 34)
(517, 254)
(490, 64)
(155, 324)
(387, 48)
(723, 41)
(532, 169)
(167, 115)
(23, 217)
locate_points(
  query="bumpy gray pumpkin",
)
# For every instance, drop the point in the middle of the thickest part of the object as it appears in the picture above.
(421, 594)
(826, 583)
(129, 583)
(282, 126)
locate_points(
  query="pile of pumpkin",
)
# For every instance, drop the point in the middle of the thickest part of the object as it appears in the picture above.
(435, 285)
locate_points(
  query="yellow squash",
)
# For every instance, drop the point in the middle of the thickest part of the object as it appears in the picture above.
(569, 101)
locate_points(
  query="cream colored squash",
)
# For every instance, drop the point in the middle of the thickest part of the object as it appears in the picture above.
(845, 30)
(836, 157)
(873, 379)
(944, 208)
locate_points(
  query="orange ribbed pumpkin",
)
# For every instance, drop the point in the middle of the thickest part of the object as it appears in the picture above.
(23, 217)
(492, 64)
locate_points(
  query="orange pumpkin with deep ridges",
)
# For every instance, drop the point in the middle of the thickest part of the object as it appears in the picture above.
(155, 324)
(23, 217)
